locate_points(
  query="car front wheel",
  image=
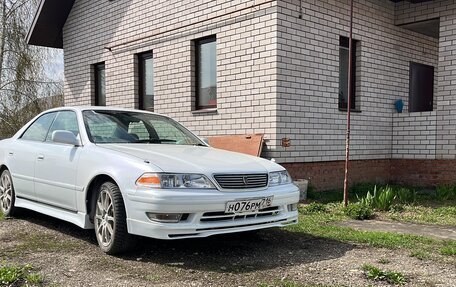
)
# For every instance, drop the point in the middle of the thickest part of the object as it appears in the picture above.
(110, 220)
(7, 196)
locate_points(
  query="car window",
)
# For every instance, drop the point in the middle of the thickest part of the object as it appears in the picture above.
(139, 130)
(167, 131)
(64, 121)
(39, 129)
(135, 127)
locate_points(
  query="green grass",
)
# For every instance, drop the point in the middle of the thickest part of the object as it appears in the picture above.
(322, 225)
(376, 274)
(427, 213)
(409, 206)
(37, 242)
(383, 261)
(421, 255)
(1, 216)
(11, 275)
(449, 249)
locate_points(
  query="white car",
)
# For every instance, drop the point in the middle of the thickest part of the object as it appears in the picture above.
(128, 172)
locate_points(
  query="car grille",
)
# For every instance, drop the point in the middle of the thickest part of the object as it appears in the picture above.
(223, 216)
(242, 181)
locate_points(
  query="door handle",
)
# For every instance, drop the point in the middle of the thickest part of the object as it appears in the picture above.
(40, 157)
(11, 153)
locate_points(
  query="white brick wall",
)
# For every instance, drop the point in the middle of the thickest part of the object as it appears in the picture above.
(276, 73)
(446, 96)
(309, 79)
(246, 34)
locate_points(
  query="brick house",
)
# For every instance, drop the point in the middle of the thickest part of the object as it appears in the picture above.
(277, 67)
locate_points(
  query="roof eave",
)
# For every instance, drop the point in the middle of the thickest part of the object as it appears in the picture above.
(47, 25)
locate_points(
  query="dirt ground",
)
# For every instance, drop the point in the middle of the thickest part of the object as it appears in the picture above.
(68, 256)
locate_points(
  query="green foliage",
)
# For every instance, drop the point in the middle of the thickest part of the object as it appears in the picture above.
(385, 199)
(314, 207)
(19, 276)
(446, 192)
(397, 208)
(376, 274)
(361, 189)
(34, 278)
(405, 195)
(384, 261)
(449, 248)
(324, 225)
(359, 211)
(421, 255)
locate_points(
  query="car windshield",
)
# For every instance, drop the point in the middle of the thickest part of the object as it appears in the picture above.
(107, 126)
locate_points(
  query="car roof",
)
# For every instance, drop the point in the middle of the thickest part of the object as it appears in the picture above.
(99, 108)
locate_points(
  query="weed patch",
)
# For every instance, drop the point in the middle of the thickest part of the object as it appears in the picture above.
(359, 211)
(315, 207)
(376, 274)
(11, 275)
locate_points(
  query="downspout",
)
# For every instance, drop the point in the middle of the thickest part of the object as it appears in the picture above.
(350, 94)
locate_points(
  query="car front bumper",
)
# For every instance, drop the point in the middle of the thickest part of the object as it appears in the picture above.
(204, 212)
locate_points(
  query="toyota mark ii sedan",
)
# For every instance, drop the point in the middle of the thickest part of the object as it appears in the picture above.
(127, 172)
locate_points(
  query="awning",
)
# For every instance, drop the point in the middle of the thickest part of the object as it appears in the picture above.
(47, 25)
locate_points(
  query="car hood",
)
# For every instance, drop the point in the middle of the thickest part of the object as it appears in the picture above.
(195, 159)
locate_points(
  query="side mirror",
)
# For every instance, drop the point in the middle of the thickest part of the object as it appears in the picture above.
(65, 137)
(205, 140)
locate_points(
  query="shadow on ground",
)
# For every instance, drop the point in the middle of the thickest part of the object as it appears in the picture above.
(233, 253)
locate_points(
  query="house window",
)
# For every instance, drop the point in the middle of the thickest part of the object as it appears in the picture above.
(146, 81)
(206, 73)
(343, 73)
(100, 84)
(421, 88)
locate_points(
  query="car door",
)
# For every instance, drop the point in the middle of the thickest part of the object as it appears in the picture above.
(21, 155)
(56, 165)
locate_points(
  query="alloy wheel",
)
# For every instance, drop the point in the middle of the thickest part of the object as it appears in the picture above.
(6, 192)
(104, 218)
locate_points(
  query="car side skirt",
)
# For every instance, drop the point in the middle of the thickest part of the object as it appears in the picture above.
(78, 218)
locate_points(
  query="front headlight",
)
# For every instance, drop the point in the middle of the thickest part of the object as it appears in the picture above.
(279, 178)
(169, 180)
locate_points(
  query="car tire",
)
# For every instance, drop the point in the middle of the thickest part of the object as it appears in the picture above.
(7, 194)
(110, 220)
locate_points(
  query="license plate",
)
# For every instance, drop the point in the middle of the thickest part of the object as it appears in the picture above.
(248, 205)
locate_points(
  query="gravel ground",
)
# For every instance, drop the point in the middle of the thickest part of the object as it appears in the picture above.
(69, 256)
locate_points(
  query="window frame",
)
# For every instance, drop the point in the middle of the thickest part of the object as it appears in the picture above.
(31, 124)
(142, 57)
(197, 58)
(55, 118)
(96, 69)
(344, 43)
(412, 98)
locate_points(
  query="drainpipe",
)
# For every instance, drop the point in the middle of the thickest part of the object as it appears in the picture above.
(350, 92)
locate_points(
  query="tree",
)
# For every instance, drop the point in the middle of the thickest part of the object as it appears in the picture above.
(23, 81)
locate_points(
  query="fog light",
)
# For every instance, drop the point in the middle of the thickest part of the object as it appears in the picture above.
(165, 217)
(292, 207)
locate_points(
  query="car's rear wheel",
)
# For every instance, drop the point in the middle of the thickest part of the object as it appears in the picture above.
(7, 195)
(110, 220)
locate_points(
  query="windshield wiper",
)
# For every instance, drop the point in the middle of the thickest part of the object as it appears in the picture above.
(154, 141)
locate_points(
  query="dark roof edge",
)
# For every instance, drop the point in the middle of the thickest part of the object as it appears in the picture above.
(48, 23)
(35, 19)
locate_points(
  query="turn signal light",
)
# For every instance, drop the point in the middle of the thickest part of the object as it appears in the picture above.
(149, 180)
